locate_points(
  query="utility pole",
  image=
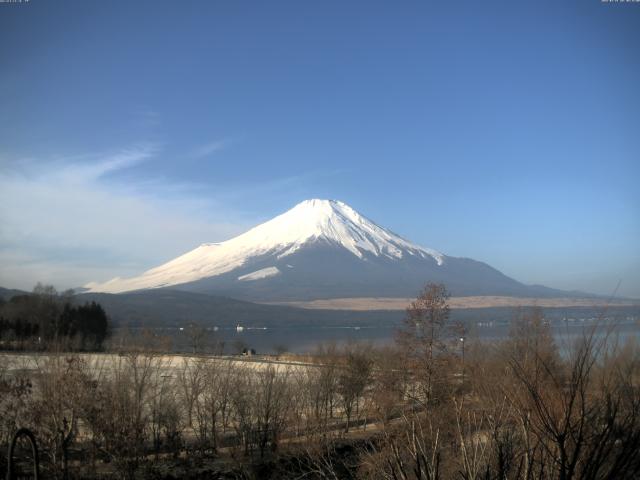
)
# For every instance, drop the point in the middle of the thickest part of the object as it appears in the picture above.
(462, 342)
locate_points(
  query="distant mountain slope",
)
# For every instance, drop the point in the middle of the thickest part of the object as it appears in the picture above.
(7, 293)
(321, 249)
(165, 307)
(172, 308)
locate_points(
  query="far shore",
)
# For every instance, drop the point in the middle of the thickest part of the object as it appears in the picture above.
(390, 303)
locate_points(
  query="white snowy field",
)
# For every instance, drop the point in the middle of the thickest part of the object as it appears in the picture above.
(165, 365)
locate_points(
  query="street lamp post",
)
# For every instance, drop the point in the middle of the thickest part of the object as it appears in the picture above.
(462, 343)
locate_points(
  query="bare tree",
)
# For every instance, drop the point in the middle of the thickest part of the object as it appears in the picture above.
(272, 403)
(198, 337)
(389, 383)
(56, 408)
(16, 390)
(121, 416)
(190, 379)
(580, 419)
(411, 449)
(242, 408)
(473, 442)
(166, 418)
(322, 383)
(213, 405)
(423, 338)
(353, 379)
(531, 343)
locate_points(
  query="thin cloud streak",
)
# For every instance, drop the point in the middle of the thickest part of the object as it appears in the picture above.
(58, 207)
(209, 148)
(69, 221)
(109, 164)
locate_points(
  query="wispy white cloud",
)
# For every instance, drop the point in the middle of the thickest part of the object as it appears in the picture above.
(209, 148)
(146, 118)
(75, 219)
(93, 170)
(68, 221)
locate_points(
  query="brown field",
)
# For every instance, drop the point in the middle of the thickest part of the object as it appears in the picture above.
(389, 303)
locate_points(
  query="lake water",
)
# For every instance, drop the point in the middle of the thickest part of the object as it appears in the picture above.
(305, 339)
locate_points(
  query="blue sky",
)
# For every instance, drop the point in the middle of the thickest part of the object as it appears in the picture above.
(508, 132)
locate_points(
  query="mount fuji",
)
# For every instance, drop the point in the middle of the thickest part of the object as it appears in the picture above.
(321, 249)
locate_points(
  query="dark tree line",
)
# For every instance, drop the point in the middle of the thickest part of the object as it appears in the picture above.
(45, 317)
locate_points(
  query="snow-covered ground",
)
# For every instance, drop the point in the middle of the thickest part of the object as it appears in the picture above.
(260, 274)
(169, 365)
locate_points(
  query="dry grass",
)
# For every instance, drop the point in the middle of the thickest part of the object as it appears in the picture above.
(390, 303)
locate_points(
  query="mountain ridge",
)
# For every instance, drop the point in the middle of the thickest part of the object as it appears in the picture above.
(309, 221)
(321, 249)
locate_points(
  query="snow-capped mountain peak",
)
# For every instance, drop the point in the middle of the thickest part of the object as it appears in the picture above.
(336, 222)
(311, 221)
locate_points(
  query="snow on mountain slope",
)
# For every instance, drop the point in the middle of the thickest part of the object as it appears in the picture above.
(308, 222)
(260, 274)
